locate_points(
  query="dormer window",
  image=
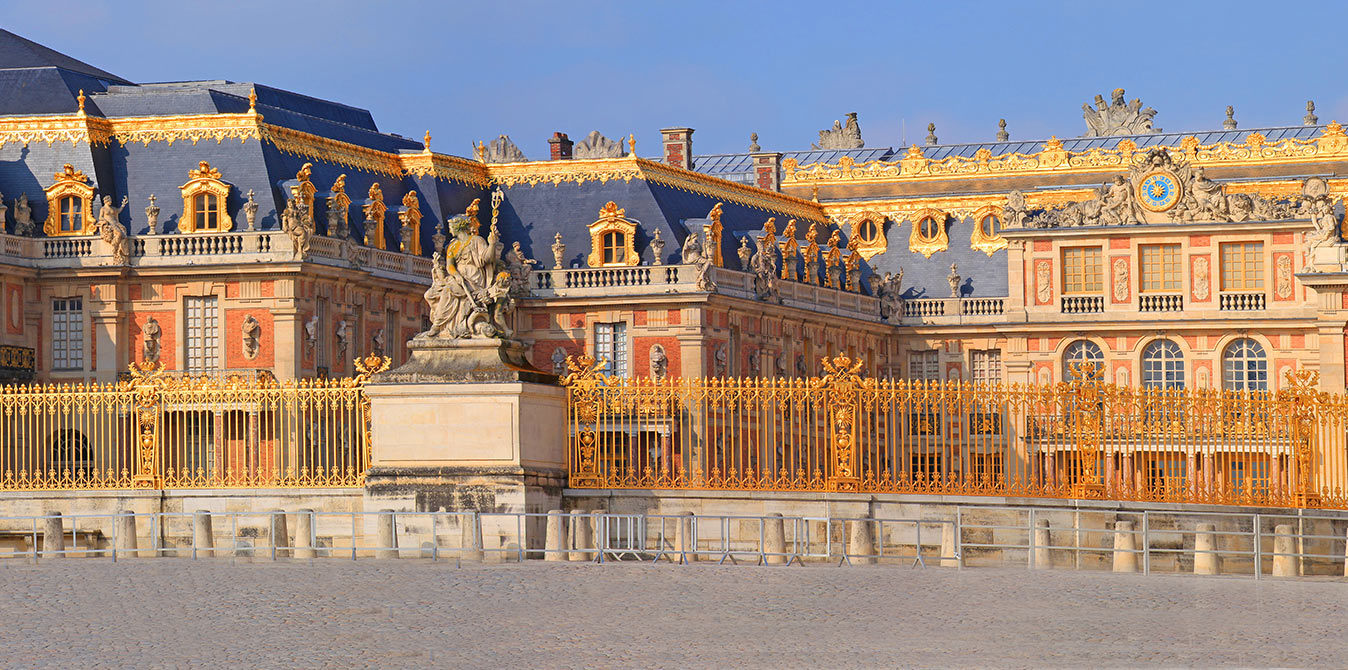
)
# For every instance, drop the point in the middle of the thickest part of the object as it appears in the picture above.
(612, 238)
(986, 235)
(204, 197)
(929, 234)
(868, 232)
(69, 204)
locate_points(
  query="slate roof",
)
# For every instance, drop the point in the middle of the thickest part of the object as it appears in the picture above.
(739, 167)
(17, 52)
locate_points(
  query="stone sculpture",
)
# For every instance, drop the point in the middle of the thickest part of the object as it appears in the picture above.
(343, 337)
(954, 279)
(722, 361)
(765, 274)
(691, 254)
(1013, 214)
(1319, 208)
(842, 136)
(298, 226)
(753, 143)
(502, 150)
(249, 209)
(251, 331)
(745, 253)
(4, 223)
(1310, 119)
(1002, 135)
(1230, 122)
(658, 248)
(559, 361)
(1118, 117)
(931, 140)
(520, 268)
(659, 362)
(889, 291)
(1201, 278)
(596, 145)
(151, 332)
(23, 217)
(112, 231)
(337, 209)
(558, 251)
(152, 217)
(377, 342)
(469, 295)
(311, 332)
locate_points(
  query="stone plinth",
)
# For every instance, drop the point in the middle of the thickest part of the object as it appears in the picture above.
(468, 425)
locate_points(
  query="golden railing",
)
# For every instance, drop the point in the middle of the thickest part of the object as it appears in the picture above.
(153, 430)
(846, 432)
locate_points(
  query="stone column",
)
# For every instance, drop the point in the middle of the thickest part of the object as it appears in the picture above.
(861, 542)
(127, 542)
(385, 536)
(767, 170)
(948, 548)
(279, 534)
(582, 534)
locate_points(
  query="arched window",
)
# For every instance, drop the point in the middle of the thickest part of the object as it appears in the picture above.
(615, 248)
(207, 210)
(72, 214)
(1081, 351)
(1162, 365)
(1244, 366)
(868, 232)
(70, 451)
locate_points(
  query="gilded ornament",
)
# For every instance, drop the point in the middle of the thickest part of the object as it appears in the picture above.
(613, 221)
(204, 188)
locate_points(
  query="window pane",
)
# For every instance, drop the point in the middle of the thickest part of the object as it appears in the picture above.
(1163, 365)
(1082, 270)
(203, 322)
(924, 365)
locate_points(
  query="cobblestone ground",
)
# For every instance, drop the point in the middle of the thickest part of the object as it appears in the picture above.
(171, 613)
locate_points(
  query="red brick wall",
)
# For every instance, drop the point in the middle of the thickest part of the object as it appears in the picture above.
(641, 356)
(541, 354)
(168, 337)
(307, 355)
(266, 350)
(676, 316)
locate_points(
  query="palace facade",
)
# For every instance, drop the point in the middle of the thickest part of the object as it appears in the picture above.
(218, 226)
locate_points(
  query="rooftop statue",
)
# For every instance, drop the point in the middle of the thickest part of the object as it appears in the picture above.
(502, 150)
(596, 145)
(469, 295)
(1117, 117)
(842, 136)
(112, 231)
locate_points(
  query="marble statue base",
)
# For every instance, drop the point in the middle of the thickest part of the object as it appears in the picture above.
(468, 425)
(470, 360)
(1328, 258)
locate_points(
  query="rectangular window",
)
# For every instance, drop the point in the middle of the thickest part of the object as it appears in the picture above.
(924, 365)
(987, 364)
(392, 340)
(1082, 271)
(986, 468)
(610, 344)
(1243, 266)
(1160, 268)
(203, 333)
(67, 331)
(321, 336)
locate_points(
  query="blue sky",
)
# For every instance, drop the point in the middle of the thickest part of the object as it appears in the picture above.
(469, 71)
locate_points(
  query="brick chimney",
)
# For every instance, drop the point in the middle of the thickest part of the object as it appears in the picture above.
(678, 147)
(767, 170)
(560, 147)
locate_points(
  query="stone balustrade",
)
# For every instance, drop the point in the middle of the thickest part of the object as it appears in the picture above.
(662, 279)
(936, 311)
(209, 249)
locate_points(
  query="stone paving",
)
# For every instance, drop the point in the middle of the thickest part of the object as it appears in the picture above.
(176, 613)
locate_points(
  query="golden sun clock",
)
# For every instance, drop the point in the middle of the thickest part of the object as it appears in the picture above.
(1158, 191)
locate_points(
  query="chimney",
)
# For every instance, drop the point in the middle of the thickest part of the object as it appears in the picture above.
(767, 170)
(560, 147)
(678, 147)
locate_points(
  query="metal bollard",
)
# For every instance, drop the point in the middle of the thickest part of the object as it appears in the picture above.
(1284, 542)
(861, 543)
(1125, 544)
(203, 536)
(53, 536)
(470, 537)
(127, 543)
(555, 538)
(774, 539)
(384, 535)
(304, 534)
(1043, 559)
(948, 559)
(1205, 541)
(279, 534)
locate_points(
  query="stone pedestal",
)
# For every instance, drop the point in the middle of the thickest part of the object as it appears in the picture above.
(468, 425)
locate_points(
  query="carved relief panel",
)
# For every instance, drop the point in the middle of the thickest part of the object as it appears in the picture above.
(1043, 281)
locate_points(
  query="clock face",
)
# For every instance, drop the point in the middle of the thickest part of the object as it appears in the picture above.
(1158, 191)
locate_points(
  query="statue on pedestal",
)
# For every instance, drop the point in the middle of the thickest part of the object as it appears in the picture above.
(469, 293)
(112, 231)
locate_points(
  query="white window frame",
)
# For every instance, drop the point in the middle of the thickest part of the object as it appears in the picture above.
(201, 333)
(611, 346)
(986, 366)
(924, 365)
(67, 334)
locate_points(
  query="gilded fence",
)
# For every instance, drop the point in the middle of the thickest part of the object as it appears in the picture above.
(846, 432)
(155, 430)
